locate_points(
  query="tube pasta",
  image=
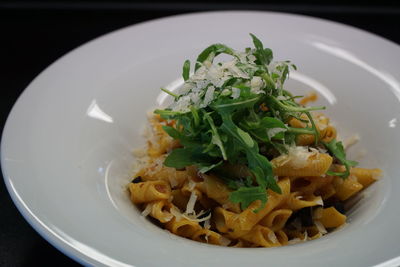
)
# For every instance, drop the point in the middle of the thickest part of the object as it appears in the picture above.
(262, 236)
(160, 210)
(218, 191)
(149, 191)
(183, 227)
(346, 188)
(297, 201)
(210, 237)
(315, 165)
(330, 217)
(197, 206)
(366, 176)
(236, 225)
(277, 219)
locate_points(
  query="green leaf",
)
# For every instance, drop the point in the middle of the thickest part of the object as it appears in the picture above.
(186, 70)
(212, 51)
(258, 164)
(263, 55)
(167, 114)
(180, 158)
(337, 150)
(216, 139)
(170, 93)
(205, 167)
(246, 195)
(230, 105)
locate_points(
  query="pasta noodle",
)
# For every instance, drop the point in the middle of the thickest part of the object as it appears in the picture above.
(166, 192)
(235, 161)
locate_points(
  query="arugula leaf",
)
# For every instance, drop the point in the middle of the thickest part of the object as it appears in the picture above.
(212, 51)
(259, 165)
(183, 157)
(180, 158)
(263, 55)
(246, 195)
(337, 150)
(205, 167)
(237, 130)
(186, 70)
(216, 139)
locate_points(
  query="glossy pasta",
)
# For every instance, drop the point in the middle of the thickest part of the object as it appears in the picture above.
(237, 160)
(196, 206)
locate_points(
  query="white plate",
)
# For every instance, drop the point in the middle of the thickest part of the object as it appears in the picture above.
(66, 148)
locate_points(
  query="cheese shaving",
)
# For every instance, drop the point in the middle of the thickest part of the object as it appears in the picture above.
(350, 141)
(298, 155)
(207, 224)
(191, 185)
(172, 180)
(147, 210)
(235, 92)
(319, 201)
(272, 237)
(191, 203)
(274, 131)
(176, 213)
(320, 227)
(294, 241)
(224, 241)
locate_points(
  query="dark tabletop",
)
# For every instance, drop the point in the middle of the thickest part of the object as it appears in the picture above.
(34, 34)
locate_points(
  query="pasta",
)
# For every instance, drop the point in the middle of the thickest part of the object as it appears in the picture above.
(235, 161)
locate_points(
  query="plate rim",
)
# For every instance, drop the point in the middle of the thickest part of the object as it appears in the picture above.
(58, 242)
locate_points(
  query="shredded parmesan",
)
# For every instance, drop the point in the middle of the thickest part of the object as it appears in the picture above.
(294, 241)
(298, 156)
(352, 140)
(235, 92)
(224, 241)
(320, 227)
(272, 237)
(172, 180)
(176, 213)
(147, 210)
(191, 203)
(207, 224)
(319, 201)
(305, 236)
(274, 131)
(191, 185)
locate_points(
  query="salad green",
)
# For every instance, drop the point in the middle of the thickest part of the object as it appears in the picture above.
(236, 113)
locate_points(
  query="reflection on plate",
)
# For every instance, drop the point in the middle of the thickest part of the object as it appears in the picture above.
(66, 148)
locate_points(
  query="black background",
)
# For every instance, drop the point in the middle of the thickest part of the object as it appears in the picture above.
(34, 34)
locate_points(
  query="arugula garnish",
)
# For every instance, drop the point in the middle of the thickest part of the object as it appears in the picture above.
(234, 121)
(336, 149)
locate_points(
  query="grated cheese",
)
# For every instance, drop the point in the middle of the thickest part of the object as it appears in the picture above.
(272, 237)
(191, 203)
(319, 201)
(274, 131)
(298, 155)
(191, 185)
(176, 213)
(224, 241)
(321, 228)
(172, 180)
(350, 141)
(235, 92)
(147, 210)
(294, 241)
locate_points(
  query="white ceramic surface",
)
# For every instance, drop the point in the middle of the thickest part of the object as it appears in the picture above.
(66, 148)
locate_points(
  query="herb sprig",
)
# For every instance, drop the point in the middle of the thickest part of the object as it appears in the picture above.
(236, 113)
